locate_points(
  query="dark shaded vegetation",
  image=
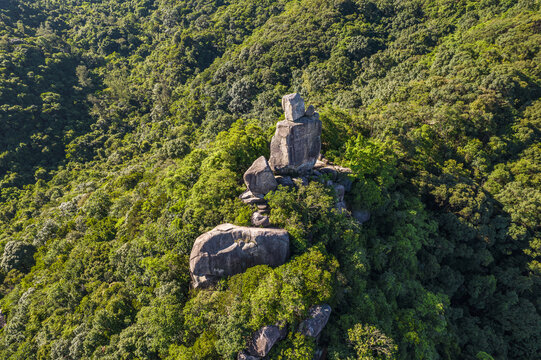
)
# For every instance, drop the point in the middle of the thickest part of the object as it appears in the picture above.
(125, 128)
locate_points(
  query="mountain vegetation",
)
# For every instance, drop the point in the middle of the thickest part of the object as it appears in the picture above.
(126, 126)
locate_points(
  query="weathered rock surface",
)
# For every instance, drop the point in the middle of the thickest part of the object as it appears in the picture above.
(248, 198)
(310, 111)
(295, 146)
(259, 219)
(259, 178)
(293, 106)
(263, 340)
(319, 315)
(340, 192)
(229, 249)
(285, 180)
(244, 356)
(361, 216)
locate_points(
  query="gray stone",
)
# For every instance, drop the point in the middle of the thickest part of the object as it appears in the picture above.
(341, 206)
(263, 206)
(229, 249)
(243, 356)
(2, 320)
(319, 315)
(259, 178)
(328, 170)
(295, 146)
(310, 111)
(248, 198)
(361, 216)
(346, 182)
(264, 339)
(293, 106)
(259, 219)
(340, 191)
(285, 181)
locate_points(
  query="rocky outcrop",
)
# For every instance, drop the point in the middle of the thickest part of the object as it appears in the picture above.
(260, 219)
(319, 315)
(263, 340)
(259, 178)
(293, 106)
(361, 216)
(229, 249)
(295, 146)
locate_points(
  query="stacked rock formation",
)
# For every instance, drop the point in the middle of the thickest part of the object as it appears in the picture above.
(228, 250)
(296, 143)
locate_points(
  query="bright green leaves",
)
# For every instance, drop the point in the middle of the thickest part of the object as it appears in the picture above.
(259, 297)
(370, 343)
(374, 166)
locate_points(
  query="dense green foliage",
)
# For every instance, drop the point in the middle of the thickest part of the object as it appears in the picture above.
(125, 127)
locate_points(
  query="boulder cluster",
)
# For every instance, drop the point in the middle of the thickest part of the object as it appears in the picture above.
(228, 249)
(264, 339)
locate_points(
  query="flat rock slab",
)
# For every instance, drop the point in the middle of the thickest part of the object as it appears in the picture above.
(259, 178)
(229, 249)
(295, 146)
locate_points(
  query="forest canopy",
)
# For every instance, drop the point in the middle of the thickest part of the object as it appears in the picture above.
(126, 126)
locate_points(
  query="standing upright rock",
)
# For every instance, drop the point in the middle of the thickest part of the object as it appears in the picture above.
(293, 106)
(296, 143)
(259, 178)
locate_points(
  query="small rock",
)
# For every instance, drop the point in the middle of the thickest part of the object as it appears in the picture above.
(316, 173)
(341, 205)
(243, 356)
(361, 216)
(319, 315)
(329, 170)
(2, 320)
(340, 191)
(346, 182)
(285, 181)
(259, 178)
(259, 219)
(310, 111)
(293, 106)
(248, 198)
(264, 339)
(263, 206)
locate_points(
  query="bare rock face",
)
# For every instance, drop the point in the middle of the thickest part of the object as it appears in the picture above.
(229, 249)
(259, 219)
(264, 339)
(293, 106)
(361, 216)
(319, 315)
(259, 178)
(295, 146)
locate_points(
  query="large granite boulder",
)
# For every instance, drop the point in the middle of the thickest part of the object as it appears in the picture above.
(229, 249)
(293, 106)
(319, 315)
(259, 178)
(263, 340)
(295, 146)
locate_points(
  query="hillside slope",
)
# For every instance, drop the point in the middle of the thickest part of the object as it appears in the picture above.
(125, 128)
